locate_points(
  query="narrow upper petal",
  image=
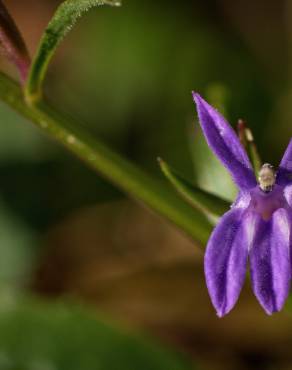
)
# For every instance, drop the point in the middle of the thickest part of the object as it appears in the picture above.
(225, 144)
(270, 261)
(284, 174)
(226, 259)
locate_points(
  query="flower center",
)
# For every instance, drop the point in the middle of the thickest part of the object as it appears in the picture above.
(267, 202)
(267, 177)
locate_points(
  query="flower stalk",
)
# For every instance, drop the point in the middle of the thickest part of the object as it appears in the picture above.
(108, 163)
(247, 140)
(13, 44)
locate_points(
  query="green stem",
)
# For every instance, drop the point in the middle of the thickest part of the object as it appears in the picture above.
(111, 165)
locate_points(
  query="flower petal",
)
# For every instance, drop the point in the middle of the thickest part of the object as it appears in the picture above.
(284, 174)
(270, 261)
(226, 259)
(225, 144)
(288, 194)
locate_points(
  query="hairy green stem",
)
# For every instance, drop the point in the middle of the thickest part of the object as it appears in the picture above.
(111, 165)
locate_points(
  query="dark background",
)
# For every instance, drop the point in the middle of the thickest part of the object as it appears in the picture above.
(127, 74)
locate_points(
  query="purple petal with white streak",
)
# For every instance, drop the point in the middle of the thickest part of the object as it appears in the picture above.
(270, 261)
(284, 174)
(225, 144)
(226, 259)
(288, 194)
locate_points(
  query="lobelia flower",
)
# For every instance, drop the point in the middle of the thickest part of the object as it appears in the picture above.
(257, 227)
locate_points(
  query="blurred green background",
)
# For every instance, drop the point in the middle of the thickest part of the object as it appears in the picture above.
(99, 266)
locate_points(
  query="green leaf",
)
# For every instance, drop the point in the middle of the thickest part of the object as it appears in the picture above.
(118, 170)
(62, 22)
(12, 43)
(36, 335)
(208, 203)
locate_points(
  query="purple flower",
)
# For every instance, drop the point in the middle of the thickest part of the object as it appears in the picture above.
(257, 227)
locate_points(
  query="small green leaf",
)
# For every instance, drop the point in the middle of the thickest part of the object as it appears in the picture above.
(12, 43)
(62, 22)
(208, 203)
